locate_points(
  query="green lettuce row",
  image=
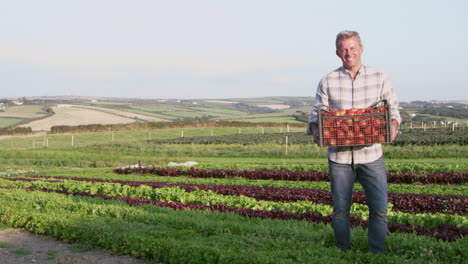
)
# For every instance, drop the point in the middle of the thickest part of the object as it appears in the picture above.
(176, 194)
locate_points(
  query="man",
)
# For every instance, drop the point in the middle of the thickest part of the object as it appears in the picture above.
(359, 86)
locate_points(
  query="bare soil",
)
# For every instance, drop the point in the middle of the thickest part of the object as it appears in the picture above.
(18, 246)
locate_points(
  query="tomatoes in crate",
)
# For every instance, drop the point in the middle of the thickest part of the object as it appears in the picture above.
(355, 126)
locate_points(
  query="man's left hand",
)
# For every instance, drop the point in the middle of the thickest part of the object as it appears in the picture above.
(394, 129)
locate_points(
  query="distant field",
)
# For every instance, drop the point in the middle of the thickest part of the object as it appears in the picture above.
(158, 108)
(4, 122)
(175, 112)
(109, 103)
(157, 115)
(218, 110)
(72, 116)
(122, 113)
(24, 111)
(281, 119)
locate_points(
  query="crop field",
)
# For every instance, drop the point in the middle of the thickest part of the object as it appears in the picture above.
(278, 119)
(251, 198)
(23, 111)
(4, 122)
(173, 112)
(83, 115)
(122, 113)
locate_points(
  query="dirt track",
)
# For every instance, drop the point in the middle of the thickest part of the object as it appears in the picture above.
(18, 246)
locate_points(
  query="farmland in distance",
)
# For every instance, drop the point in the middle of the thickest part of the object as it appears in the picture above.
(244, 200)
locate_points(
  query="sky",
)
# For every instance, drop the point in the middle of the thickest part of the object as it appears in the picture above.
(216, 49)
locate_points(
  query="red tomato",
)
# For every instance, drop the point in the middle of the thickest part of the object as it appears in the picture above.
(327, 122)
(360, 141)
(370, 110)
(357, 129)
(360, 111)
(368, 130)
(380, 138)
(341, 112)
(377, 121)
(340, 134)
(332, 142)
(351, 111)
(361, 121)
(381, 109)
(338, 122)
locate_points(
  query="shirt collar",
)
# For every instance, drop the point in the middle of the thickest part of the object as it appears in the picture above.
(362, 70)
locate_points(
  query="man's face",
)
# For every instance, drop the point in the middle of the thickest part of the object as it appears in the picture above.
(350, 52)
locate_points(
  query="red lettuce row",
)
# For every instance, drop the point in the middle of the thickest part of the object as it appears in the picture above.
(404, 202)
(285, 175)
(444, 232)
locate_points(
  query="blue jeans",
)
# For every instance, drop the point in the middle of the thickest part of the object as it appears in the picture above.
(373, 178)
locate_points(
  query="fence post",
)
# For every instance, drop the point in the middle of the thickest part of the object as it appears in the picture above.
(239, 130)
(182, 133)
(211, 132)
(286, 148)
(34, 143)
(112, 136)
(72, 140)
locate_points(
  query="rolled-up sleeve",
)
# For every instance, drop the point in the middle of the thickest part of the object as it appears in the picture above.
(391, 97)
(321, 98)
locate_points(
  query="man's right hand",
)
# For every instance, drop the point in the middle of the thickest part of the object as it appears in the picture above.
(314, 131)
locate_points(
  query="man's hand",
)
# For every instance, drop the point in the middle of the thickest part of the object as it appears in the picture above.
(314, 131)
(394, 129)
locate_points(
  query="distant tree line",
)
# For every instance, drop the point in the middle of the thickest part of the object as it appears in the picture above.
(445, 111)
(299, 102)
(253, 109)
(196, 118)
(15, 131)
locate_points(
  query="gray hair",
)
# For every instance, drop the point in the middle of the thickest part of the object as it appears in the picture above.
(346, 34)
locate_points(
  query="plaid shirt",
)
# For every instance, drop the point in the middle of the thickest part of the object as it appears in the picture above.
(338, 90)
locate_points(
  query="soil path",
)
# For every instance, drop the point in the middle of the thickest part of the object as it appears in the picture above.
(18, 246)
